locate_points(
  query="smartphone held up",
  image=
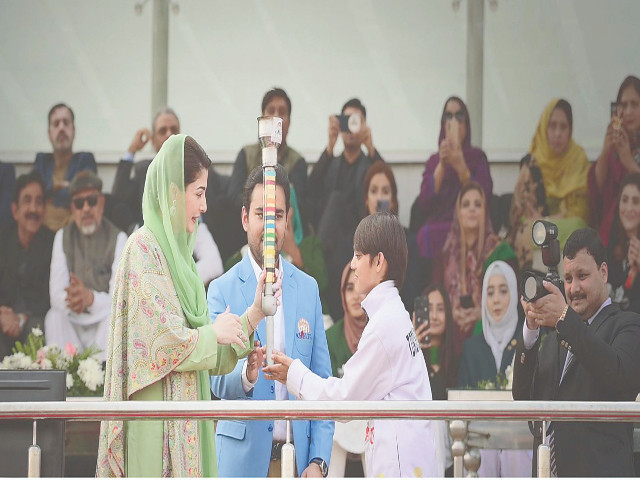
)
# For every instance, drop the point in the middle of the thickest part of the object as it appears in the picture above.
(421, 312)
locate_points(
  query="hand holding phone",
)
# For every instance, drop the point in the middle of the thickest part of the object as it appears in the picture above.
(421, 312)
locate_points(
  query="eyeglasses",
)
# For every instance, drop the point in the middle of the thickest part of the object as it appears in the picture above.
(460, 116)
(92, 200)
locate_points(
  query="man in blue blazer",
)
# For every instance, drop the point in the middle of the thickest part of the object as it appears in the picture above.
(252, 448)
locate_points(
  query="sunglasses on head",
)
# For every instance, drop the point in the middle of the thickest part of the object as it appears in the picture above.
(92, 200)
(460, 116)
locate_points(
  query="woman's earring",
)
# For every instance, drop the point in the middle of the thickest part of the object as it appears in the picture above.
(172, 210)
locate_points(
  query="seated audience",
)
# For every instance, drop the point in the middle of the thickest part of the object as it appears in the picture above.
(620, 155)
(57, 169)
(25, 256)
(334, 194)
(623, 251)
(128, 191)
(436, 341)
(486, 357)
(7, 181)
(445, 173)
(470, 247)
(529, 203)
(275, 103)
(83, 265)
(564, 167)
(381, 194)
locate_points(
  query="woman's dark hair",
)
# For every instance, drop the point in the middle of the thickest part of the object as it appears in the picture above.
(382, 232)
(630, 81)
(376, 168)
(566, 108)
(195, 160)
(447, 358)
(618, 242)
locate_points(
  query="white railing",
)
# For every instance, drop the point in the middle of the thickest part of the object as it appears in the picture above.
(331, 410)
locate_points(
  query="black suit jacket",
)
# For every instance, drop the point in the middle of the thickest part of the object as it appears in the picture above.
(606, 368)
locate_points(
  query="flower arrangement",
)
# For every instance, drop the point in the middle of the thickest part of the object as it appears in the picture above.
(502, 381)
(85, 376)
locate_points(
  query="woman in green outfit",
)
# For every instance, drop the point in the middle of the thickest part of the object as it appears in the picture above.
(162, 345)
(343, 336)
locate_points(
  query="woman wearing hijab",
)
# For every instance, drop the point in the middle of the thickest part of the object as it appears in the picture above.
(445, 173)
(487, 355)
(343, 336)
(470, 247)
(162, 345)
(564, 167)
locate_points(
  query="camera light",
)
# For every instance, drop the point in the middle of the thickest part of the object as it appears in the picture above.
(354, 123)
(530, 287)
(543, 232)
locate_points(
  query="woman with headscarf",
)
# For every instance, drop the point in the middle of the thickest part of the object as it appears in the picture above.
(162, 345)
(486, 356)
(563, 167)
(470, 247)
(344, 335)
(445, 173)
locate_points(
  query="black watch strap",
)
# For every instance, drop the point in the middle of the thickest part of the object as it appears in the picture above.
(322, 464)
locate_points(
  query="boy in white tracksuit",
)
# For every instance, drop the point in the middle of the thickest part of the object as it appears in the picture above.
(388, 364)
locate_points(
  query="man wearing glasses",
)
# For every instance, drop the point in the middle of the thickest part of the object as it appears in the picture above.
(83, 264)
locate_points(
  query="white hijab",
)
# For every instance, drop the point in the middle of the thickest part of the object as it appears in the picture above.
(499, 334)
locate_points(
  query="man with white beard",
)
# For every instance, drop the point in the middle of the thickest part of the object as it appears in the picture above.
(83, 265)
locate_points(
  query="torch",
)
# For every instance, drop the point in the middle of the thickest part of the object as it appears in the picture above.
(270, 137)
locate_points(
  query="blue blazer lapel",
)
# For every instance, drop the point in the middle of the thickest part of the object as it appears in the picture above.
(290, 300)
(248, 284)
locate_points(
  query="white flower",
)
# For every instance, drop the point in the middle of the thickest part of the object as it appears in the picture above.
(36, 332)
(90, 372)
(69, 381)
(24, 362)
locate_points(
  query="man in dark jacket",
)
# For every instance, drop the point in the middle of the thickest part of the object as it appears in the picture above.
(590, 354)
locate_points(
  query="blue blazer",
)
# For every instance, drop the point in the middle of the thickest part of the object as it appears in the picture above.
(243, 448)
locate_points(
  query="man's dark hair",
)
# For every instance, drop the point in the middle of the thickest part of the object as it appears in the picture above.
(566, 108)
(163, 111)
(355, 102)
(382, 232)
(630, 81)
(276, 92)
(195, 160)
(256, 176)
(61, 105)
(588, 239)
(26, 179)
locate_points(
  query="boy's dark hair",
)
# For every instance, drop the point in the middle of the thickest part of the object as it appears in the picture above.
(256, 176)
(276, 92)
(26, 179)
(382, 232)
(195, 160)
(355, 102)
(61, 105)
(588, 239)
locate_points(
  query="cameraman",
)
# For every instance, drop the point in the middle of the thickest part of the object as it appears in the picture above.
(603, 363)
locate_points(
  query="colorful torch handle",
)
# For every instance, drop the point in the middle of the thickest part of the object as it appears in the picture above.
(270, 137)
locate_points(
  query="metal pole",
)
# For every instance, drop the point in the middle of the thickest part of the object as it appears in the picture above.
(475, 66)
(160, 55)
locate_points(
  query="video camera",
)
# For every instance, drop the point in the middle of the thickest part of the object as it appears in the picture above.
(545, 235)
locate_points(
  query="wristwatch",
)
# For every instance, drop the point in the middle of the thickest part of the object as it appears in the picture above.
(562, 317)
(322, 464)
